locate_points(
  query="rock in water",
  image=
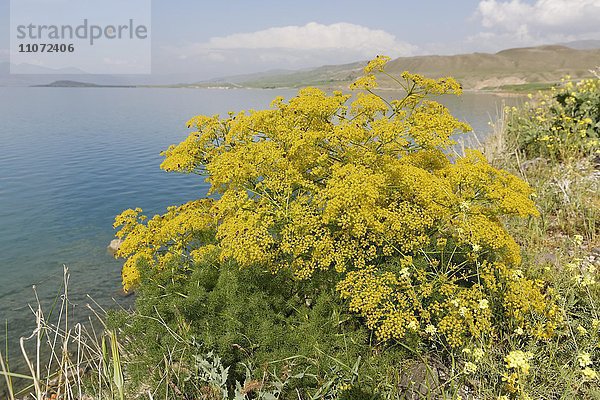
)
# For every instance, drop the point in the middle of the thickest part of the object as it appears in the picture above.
(114, 246)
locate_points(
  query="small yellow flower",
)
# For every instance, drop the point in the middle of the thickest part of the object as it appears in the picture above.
(519, 331)
(587, 280)
(404, 272)
(469, 368)
(464, 206)
(517, 274)
(478, 354)
(519, 361)
(430, 329)
(584, 359)
(589, 373)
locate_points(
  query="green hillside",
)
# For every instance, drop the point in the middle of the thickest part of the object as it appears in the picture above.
(532, 67)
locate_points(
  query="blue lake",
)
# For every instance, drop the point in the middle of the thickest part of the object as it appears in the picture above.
(73, 158)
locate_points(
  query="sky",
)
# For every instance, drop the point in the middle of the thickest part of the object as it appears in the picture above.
(206, 39)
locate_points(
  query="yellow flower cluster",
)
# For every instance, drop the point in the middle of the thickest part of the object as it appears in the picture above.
(519, 309)
(517, 366)
(584, 360)
(518, 361)
(376, 64)
(431, 125)
(433, 86)
(164, 239)
(453, 304)
(364, 188)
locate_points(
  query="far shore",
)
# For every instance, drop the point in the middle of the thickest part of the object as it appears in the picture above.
(509, 90)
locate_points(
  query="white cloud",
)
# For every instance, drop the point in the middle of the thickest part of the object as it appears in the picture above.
(517, 22)
(541, 15)
(315, 36)
(294, 43)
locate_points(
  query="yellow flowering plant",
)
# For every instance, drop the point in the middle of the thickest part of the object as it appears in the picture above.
(517, 365)
(362, 187)
(561, 124)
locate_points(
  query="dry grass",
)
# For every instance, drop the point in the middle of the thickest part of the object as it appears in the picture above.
(66, 359)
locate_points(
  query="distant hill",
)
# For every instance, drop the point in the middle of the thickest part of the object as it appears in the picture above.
(512, 68)
(522, 66)
(327, 75)
(251, 77)
(42, 76)
(67, 83)
(583, 44)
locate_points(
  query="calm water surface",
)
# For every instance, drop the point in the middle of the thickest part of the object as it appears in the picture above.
(73, 158)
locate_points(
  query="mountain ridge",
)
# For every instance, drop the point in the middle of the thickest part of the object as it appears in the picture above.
(475, 71)
(513, 68)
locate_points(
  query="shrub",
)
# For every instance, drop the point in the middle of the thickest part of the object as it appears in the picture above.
(364, 193)
(297, 332)
(562, 124)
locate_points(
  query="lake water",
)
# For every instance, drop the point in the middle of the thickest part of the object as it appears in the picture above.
(73, 158)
